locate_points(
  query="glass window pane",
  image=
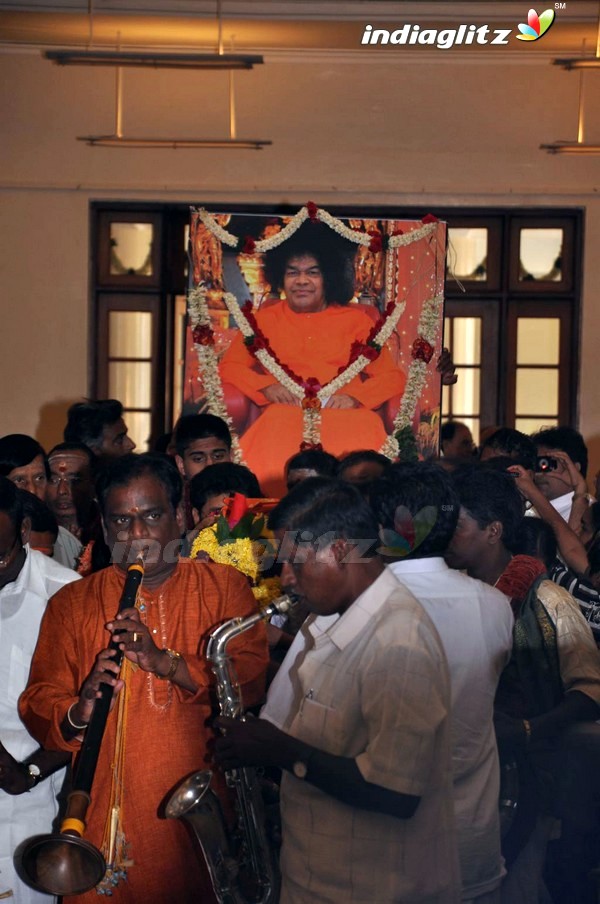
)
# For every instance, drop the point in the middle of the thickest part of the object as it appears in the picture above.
(131, 249)
(129, 334)
(445, 401)
(540, 253)
(466, 345)
(465, 394)
(130, 383)
(538, 340)
(467, 253)
(537, 391)
(531, 425)
(138, 428)
(447, 331)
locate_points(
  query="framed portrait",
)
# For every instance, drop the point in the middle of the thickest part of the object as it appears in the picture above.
(310, 331)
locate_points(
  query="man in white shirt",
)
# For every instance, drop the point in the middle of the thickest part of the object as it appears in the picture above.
(361, 705)
(29, 781)
(417, 508)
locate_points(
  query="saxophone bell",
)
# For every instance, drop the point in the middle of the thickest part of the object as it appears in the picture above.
(241, 861)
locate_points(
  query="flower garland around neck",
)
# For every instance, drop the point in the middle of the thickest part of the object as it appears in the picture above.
(239, 538)
(312, 395)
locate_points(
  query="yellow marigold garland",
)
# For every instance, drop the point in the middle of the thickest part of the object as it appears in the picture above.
(238, 553)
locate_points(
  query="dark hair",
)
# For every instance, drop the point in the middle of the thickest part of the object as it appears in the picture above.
(162, 443)
(323, 505)
(568, 440)
(417, 486)
(491, 495)
(42, 519)
(86, 420)
(594, 511)
(121, 471)
(448, 430)
(334, 254)
(11, 502)
(324, 463)
(18, 450)
(361, 455)
(594, 558)
(73, 447)
(513, 444)
(536, 538)
(191, 427)
(223, 477)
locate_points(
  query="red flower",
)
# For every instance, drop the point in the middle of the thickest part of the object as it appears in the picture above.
(376, 243)
(422, 350)
(311, 403)
(398, 232)
(255, 343)
(249, 245)
(311, 209)
(311, 386)
(203, 335)
(389, 308)
(429, 218)
(307, 447)
(360, 348)
(235, 508)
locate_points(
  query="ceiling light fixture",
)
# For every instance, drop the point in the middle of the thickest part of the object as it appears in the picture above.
(571, 147)
(583, 62)
(118, 140)
(574, 147)
(579, 63)
(152, 60)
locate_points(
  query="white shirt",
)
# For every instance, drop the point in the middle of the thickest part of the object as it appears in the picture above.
(563, 504)
(371, 684)
(22, 605)
(66, 548)
(475, 623)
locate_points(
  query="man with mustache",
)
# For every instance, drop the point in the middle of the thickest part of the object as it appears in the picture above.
(164, 690)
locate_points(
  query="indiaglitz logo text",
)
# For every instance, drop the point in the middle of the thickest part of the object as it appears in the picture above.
(446, 38)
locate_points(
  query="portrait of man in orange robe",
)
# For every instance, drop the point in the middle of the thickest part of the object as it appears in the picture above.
(315, 297)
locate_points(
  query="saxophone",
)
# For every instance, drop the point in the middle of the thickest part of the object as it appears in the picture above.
(241, 861)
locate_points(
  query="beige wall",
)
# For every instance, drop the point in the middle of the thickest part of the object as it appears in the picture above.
(345, 130)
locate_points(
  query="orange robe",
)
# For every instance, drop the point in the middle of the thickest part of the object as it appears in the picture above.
(166, 736)
(312, 345)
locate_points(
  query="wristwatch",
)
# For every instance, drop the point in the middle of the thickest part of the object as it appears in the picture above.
(35, 774)
(300, 769)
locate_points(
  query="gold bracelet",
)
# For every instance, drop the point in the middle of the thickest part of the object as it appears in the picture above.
(175, 658)
(70, 720)
(527, 727)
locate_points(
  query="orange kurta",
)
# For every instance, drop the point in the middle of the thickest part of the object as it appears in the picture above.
(166, 732)
(312, 345)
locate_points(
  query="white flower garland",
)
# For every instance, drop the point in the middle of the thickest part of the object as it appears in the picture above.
(417, 375)
(209, 367)
(207, 358)
(352, 235)
(311, 416)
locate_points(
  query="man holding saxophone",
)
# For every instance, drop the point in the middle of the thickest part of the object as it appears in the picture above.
(156, 732)
(357, 718)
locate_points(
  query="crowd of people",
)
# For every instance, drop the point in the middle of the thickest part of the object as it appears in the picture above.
(429, 708)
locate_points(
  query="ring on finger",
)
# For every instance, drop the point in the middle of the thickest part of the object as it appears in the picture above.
(136, 637)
